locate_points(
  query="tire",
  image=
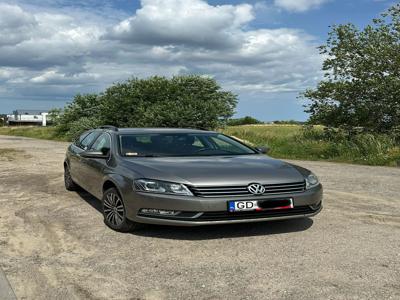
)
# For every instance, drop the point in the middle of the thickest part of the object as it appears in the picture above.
(70, 185)
(114, 212)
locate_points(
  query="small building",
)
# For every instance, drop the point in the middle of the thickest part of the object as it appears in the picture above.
(28, 117)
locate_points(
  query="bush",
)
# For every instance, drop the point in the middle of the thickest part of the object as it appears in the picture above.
(287, 122)
(243, 121)
(182, 101)
(354, 145)
(395, 133)
(78, 116)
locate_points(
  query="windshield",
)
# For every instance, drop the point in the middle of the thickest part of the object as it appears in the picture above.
(181, 144)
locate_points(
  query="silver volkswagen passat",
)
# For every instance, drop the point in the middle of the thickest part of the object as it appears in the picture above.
(186, 177)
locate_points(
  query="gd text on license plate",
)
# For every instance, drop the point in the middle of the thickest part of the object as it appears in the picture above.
(243, 206)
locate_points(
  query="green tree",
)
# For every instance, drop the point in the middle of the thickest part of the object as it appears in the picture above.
(181, 101)
(79, 115)
(361, 86)
(247, 120)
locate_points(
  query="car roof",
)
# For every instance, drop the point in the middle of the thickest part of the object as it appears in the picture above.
(159, 130)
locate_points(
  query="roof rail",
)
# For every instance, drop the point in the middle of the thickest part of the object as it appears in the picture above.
(109, 127)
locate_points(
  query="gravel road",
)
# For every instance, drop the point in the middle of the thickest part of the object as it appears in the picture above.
(54, 244)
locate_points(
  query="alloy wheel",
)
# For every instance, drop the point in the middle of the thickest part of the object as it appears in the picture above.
(114, 209)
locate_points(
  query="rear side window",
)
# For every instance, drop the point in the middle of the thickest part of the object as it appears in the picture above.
(79, 140)
(88, 140)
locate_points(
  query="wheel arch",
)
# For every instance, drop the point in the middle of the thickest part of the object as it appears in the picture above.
(110, 183)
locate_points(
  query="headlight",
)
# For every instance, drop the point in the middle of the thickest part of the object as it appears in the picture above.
(311, 181)
(161, 187)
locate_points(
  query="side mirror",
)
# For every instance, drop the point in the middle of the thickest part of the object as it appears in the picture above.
(263, 150)
(93, 154)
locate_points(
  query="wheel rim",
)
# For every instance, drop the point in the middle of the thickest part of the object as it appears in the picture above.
(114, 209)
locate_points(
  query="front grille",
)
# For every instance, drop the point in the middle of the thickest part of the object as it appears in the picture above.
(270, 189)
(225, 215)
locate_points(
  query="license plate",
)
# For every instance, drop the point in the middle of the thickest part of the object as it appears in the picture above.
(251, 205)
(243, 206)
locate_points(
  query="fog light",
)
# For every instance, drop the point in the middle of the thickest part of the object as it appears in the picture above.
(160, 212)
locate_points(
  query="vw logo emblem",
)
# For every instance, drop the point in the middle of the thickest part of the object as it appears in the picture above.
(256, 189)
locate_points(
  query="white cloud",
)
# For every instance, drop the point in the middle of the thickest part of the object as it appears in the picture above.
(53, 77)
(299, 5)
(15, 25)
(189, 22)
(40, 40)
(50, 54)
(215, 40)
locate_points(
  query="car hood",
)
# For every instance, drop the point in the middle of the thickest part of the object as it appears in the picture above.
(215, 170)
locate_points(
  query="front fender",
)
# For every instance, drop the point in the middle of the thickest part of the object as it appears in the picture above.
(121, 183)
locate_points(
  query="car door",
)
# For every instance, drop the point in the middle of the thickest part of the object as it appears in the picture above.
(75, 158)
(93, 168)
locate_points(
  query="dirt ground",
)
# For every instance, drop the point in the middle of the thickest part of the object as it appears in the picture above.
(54, 244)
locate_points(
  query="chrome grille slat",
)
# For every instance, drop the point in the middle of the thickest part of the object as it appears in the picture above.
(285, 189)
(283, 185)
(221, 191)
(226, 192)
(222, 195)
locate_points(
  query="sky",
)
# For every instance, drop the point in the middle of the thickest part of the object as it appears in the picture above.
(264, 51)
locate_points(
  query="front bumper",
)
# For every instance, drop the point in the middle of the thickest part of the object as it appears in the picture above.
(207, 211)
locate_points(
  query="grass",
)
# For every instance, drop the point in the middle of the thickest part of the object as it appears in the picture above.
(45, 133)
(285, 141)
(293, 142)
